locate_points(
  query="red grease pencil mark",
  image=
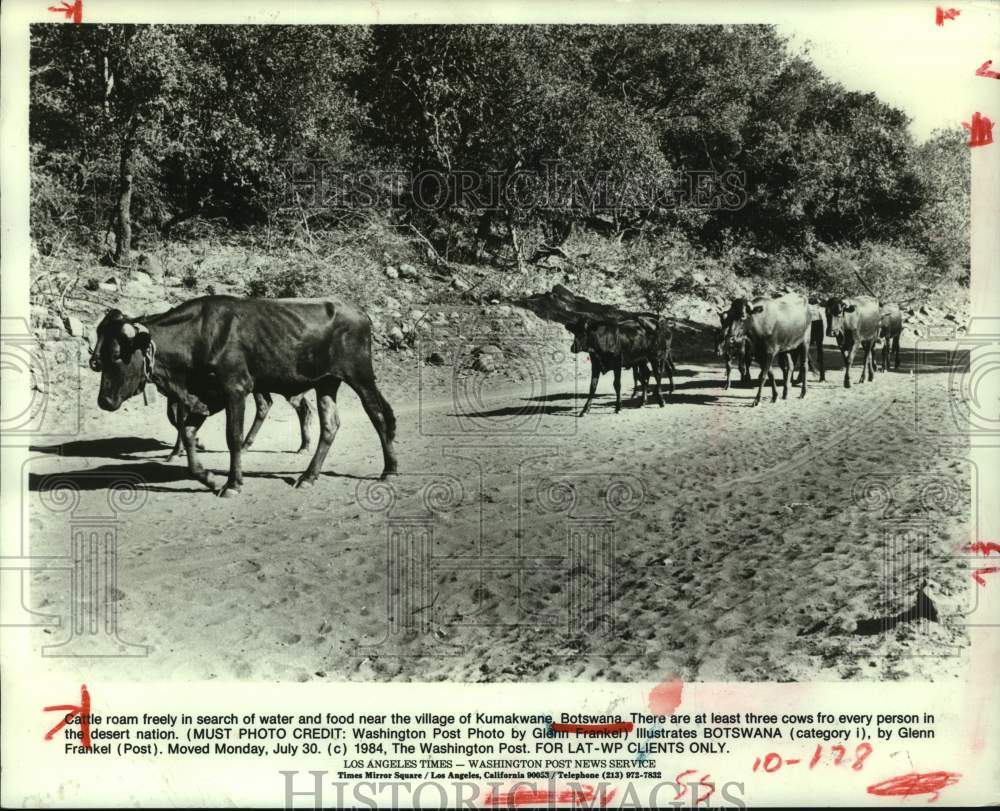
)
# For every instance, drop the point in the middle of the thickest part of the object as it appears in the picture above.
(666, 696)
(980, 130)
(83, 710)
(982, 547)
(593, 729)
(682, 787)
(940, 15)
(986, 72)
(585, 795)
(73, 12)
(909, 785)
(977, 574)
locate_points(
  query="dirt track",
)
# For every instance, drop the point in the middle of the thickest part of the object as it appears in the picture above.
(748, 544)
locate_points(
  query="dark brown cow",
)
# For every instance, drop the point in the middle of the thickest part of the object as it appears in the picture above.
(636, 342)
(774, 327)
(817, 333)
(890, 327)
(853, 322)
(733, 345)
(209, 353)
(263, 403)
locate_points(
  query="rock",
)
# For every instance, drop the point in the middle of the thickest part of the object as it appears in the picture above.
(391, 272)
(39, 314)
(392, 303)
(115, 280)
(435, 359)
(140, 279)
(149, 264)
(459, 284)
(407, 271)
(396, 336)
(488, 349)
(74, 326)
(484, 363)
(108, 287)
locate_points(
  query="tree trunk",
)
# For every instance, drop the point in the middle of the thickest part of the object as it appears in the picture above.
(123, 223)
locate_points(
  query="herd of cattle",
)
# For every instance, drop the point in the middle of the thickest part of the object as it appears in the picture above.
(208, 354)
(759, 330)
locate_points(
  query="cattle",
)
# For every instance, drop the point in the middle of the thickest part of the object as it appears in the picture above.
(209, 353)
(774, 327)
(853, 322)
(889, 329)
(633, 342)
(733, 345)
(263, 403)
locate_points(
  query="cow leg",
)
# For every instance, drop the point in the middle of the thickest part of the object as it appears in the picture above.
(176, 419)
(668, 365)
(765, 359)
(263, 402)
(178, 448)
(380, 413)
(786, 374)
(848, 363)
(640, 376)
(618, 388)
(866, 366)
(805, 369)
(658, 378)
(301, 405)
(329, 423)
(235, 413)
(820, 362)
(729, 371)
(594, 377)
(895, 350)
(189, 431)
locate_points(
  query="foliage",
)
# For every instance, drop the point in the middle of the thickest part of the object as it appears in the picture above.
(207, 119)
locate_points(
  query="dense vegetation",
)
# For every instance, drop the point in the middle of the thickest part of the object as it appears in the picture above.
(138, 129)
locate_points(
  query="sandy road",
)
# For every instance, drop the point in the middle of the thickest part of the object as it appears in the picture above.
(706, 539)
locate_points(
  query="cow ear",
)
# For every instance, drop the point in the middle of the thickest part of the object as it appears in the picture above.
(722, 317)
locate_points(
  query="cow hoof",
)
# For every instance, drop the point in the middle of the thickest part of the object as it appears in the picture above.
(246, 446)
(229, 491)
(171, 457)
(305, 482)
(303, 450)
(387, 473)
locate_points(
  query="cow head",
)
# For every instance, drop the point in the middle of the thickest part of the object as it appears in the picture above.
(836, 309)
(579, 331)
(123, 355)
